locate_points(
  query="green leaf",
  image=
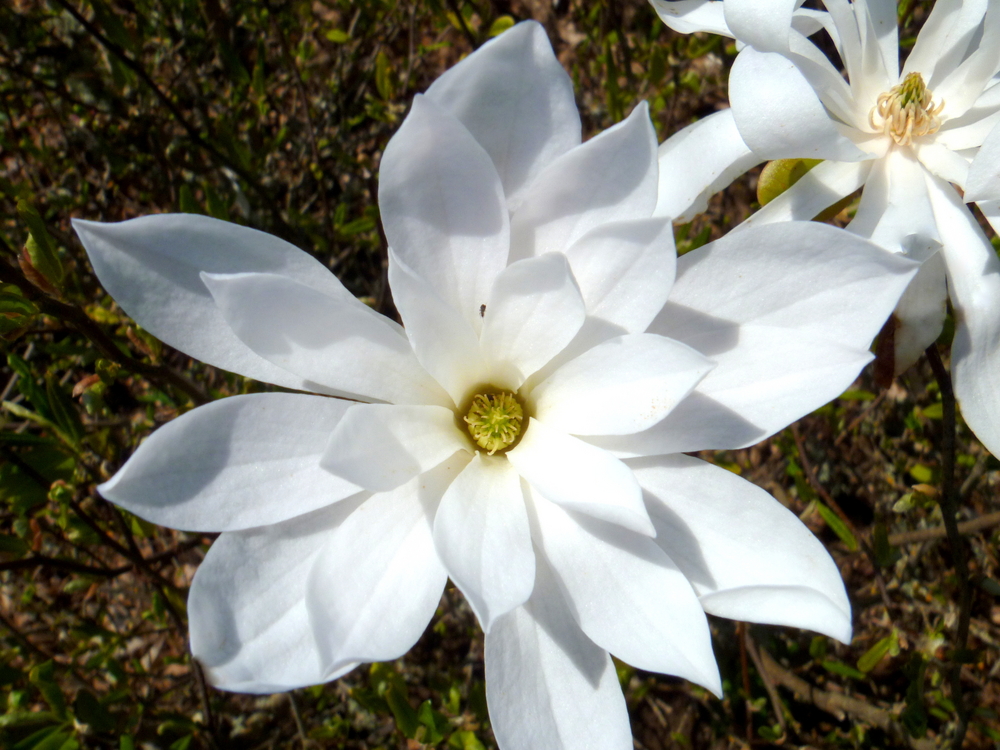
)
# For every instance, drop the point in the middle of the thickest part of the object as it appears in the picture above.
(839, 668)
(383, 76)
(402, 711)
(337, 36)
(40, 246)
(39, 739)
(64, 411)
(923, 474)
(12, 545)
(26, 384)
(465, 740)
(913, 716)
(870, 659)
(435, 724)
(934, 411)
(836, 523)
(12, 303)
(500, 25)
(90, 711)
(125, 742)
(43, 678)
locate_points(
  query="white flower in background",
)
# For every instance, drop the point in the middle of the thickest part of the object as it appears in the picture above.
(907, 136)
(516, 429)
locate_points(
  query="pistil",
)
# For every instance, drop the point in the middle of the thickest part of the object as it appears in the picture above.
(494, 420)
(906, 111)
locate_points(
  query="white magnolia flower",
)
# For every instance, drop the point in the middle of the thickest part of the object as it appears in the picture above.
(521, 434)
(907, 136)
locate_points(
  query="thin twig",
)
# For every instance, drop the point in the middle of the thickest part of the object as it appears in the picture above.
(939, 532)
(949, 511)
(772, 692)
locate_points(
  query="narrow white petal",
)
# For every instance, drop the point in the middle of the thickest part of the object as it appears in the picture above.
(944, 39)
(442, 339)
(338, 347)
(517, 101)
(721, 531)
(611, 177)
(575, 474)
(699, 161)
(377, 580)
(443, 207)
(974, 284)
(764, 24)
(152, 266)
(606, 571)
(621, 386)
(247, 610)
(816, 190)
(482, 536)
(963, 86)
(547, 685)
(983, 183)
(883, 20)
(534, 311)
(625, 270)
(688, 16)
(767, 89)
(943, 162)
(381, 446)
(920, 312)
(243, 461)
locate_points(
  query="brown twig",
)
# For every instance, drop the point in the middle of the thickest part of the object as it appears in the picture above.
(939, 532)
(815, 483)
(841, 706)
(772, 691)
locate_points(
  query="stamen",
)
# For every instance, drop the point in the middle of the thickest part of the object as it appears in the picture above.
(494, 420)
(906, 111)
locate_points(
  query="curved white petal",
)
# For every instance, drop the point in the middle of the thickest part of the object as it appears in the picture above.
(534, 311)
(720, 530)
(377, 580)
(974, 285)
(235, 463)
(699, 161)
(625, 270)
(442, 339)
(943, 162)
(779, 114)
(443, 207)
(983, 183)
(816, 190)
(517, 101)
(381, 446)
(547, 685)
(920, 312)
(247, 611)
(577, 475)
(611, 177)
(803, 303)
(620, 386)
(346, 349)
(152, 266)
(763, 24)
(963, 86)
(482, 536)
(688, 16)
(605, 571)
(944, 39)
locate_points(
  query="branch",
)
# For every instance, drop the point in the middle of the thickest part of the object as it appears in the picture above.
(939, 532)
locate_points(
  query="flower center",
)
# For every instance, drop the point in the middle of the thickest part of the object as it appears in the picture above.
(494, 420)
(906, 111)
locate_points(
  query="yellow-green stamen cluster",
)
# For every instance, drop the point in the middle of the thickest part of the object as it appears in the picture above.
(906, 111)
(494, 420)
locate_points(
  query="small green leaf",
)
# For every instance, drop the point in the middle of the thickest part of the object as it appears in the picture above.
(465, 740)
(870, 659)
(500, 25)
(41, 248)
(836, 523)
(64, 412)
(934, 411)
(923, 474)
(43, 678)
(90, 711)
(125, 742)
(839, 668)
(402, 711)
(383, 76)
(337, 36)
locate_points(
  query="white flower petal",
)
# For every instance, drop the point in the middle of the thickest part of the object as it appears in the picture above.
(547, 685)
(605, 571)
(442, 339)
(779, 114)
(151, 266)
(611, 177)
(944, 39)
(443, 207)
(983, 183)
(763, 24)
(381, 446)
(974, 284)
(577, 475)
(482, 536)
(943, 162)
(620, 386)
(699, 161)
(235, 463)
(884, 22)
(971, 129)
(803, 302)
(688, 16)
(963, 86)
(377, 581)
(920, 313)
(534, 311)
(720, 530)
(517, 101)
(338, 347)
(625, 270)
(249, 623)
(816, 190)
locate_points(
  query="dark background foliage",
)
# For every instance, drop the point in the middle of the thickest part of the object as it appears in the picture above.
(274, 114)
